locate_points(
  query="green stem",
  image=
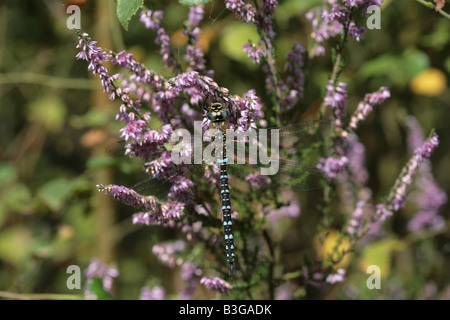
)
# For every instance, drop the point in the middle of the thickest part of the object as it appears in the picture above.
(337, 62)
(435, 8)
(269, 242)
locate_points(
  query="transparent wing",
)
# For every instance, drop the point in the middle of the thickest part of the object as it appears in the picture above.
(284, 174)
(289, 173)
(303, 134)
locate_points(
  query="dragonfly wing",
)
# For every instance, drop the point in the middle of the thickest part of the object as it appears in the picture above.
(303, 134)
(300, 176)
(153, 187)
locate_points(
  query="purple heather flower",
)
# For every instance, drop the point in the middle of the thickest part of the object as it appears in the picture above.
(353, 3)
(333, 166)
(283, 292)
(140, 72)
(356, 156)
(398, 197)
(152, 20)
(429, 197)
(130, 197)
(253, 52)
(269, 7)
(172, 210)
(295, 77)
(428, 291)
(336, 99)
(322, 30)
(189, 273)
(428, 147)
(181, 190)
(336, 277)
(155, 293)
(133, 129)
(337, 13)
(258, 181)
(159, 166)
(362, 112)
(149, 218)
(354, 224)
(250, 109)
(355, 31)
(203, 209)
(377, 97)
(96, 56)
(369, 3)
(246, 12)
(426, 219)
(263, 21)
(166, 253)
(415, 134)
(365, 107)
(194, 56)
(100, 270)
(195, 15)
(217, 284)
(432, 197)
(292, 211)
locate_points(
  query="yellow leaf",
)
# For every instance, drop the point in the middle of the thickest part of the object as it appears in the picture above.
(380, 254)
(333, 249)
(14, 245)
(430, 82)
(178, 39)
(138, 52)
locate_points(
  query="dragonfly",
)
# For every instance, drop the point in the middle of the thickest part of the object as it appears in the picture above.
(289, 172)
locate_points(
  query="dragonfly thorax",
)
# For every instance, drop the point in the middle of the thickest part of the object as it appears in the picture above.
(217, 112)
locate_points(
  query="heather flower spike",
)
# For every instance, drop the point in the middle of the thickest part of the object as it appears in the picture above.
(429, 198)
(397, 197)
(217, 284)
(100, 270)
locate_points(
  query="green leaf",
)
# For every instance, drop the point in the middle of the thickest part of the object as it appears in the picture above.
(126, 9)
(192, 3)
(8, 174)
(50, 111)
(233, 37)
(55, 193)
(98, 162)
(14, 244)
(409, 63)
(18, 198)
(96, 287)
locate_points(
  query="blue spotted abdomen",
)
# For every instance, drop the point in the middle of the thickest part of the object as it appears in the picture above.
(226, 217)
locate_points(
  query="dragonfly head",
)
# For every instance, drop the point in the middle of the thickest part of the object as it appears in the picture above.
(217, 112)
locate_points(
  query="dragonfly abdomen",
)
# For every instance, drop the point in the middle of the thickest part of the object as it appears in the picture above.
(226, 217)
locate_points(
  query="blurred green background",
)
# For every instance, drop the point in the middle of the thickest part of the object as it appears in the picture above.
(55, 124)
